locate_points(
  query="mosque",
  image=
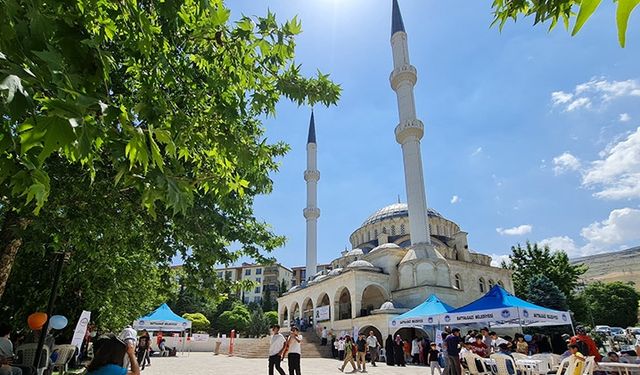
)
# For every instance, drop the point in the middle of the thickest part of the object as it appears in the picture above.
(401, 253)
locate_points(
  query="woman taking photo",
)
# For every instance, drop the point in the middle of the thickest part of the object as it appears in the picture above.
(109, 357)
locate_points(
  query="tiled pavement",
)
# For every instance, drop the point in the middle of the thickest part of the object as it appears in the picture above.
(207, 363)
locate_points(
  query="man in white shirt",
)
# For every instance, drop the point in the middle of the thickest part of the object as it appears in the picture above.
(324, 336)
(372, 342)
(496, 341)
(276, 349)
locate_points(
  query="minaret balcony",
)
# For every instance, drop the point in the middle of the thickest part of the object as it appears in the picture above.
(311, 175)
(404, 73)
(311, 213)
(412, 128)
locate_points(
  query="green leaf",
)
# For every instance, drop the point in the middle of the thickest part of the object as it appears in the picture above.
(155, 152)
(587, 7)
(59, 133)
(625, 7)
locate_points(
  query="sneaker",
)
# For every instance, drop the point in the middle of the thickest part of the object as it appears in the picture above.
(340, 368)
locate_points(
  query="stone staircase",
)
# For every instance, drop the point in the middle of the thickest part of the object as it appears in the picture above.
(259, 348)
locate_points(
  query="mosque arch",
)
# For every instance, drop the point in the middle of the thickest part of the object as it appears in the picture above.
(343, 304)
(373, 296)
(408, 334)
(284, 317)
(376, 332)
(323, 300)
(307, 310)
(295, 312)
(491, 283)
(457, 282)
(482, 285)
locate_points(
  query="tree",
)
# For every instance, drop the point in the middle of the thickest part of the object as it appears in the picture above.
(258, 324)
(528, 262)
(542, 291)
(163, 97)
(237, 318)
(614, 304)
(565, 10)
(199, 323)
(267, 301)
(283, 288)
(271, 317)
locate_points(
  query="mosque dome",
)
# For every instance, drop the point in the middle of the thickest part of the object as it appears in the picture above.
(395, 210)
(387, 306)
(362, 264)
(354, 252)
(386, 246)
(318, 279)
(334, 272)
(293, 289)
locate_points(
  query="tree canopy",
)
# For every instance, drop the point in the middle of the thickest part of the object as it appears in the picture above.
(159, 102)
(562, 10)
(532, 260)
(543, 292)
(199, 322)
(614, 304)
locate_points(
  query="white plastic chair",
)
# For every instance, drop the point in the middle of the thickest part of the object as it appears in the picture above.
(27, 355)
(473, 360)
(501, 364)
(383, 355)
(548, 362)
(518, 356)
(570, 363)
(65, 354)
(589, 365)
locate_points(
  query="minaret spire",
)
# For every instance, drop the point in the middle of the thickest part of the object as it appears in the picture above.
(408, 134)
(312, 212)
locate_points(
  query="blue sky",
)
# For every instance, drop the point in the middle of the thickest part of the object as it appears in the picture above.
(536, 134)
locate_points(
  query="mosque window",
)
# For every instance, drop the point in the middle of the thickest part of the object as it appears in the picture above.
(384, 230)
(483, 286)
(430, 229)
(491, 283)
(402, 229)
(393, 230)
(458, 282)
(500, 283)
(368, 236)
(375, 233)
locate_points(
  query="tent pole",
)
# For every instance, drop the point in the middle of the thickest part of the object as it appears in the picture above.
(519, 320)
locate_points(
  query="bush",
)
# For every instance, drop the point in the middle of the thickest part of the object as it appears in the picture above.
(272, 317)
(237, 318)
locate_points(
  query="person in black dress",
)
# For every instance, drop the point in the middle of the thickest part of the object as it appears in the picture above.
(389, 351)
(398, 351)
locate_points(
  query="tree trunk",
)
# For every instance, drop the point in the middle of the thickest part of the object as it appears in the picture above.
(10, 243)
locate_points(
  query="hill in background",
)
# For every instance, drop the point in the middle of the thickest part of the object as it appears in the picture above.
(616, 266)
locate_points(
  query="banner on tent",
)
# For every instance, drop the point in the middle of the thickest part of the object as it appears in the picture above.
(413, 322)
(81, 328)
(161, 325)
(509, 316)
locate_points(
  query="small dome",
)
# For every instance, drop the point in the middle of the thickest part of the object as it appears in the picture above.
(385, 246)
(354, 252)
(360, 264)
(293, 289)
(319, 278)
(318, 274)
(335, 272)
(387, 306)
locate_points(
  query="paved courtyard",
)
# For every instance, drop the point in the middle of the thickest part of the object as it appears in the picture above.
(207, 363)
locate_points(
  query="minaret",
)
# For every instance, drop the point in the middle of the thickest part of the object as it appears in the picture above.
(312, 212)
(408, 133)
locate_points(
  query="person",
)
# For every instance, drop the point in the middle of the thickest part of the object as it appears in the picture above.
(479, 347)
(522, 346)
(162, 347)
(586, 343)
(373, 344)
(406, 348)
(129, 335)
(324, 337)
(293, 347)
(143, 348)
(334, 347)
(544, 344)
(6, 352)
(505, 349)
(109, 354)
(432, 358)
(349, 349)
(534, 345)
(398, 351)
(425, 346)
(452, 343)
(415, 351)
(361, 354)
(159, 338)
(486, 337)
(276, 349)
(388, 348)
(580, 359)
(341, 345)
(496, 341)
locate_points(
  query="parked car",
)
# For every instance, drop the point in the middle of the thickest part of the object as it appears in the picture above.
(615, 331)
(605, 330)
(633, 331)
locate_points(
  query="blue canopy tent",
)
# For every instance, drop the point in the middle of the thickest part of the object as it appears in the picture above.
(426, 313)
(162, 319)
(499, 308)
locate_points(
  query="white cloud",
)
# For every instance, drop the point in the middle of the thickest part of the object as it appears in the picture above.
(624, 117)
(613, 233)
(477, 151)
(455, 199)
(597, 90)
(496, 259)
(515, 231)
(617, 173)
(564, 163)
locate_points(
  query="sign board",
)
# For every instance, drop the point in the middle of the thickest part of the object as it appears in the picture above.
(200, 337)
(81, 328)
(161, 325)
(322, 313)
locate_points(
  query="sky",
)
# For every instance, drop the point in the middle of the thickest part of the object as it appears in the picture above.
(530, 135)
